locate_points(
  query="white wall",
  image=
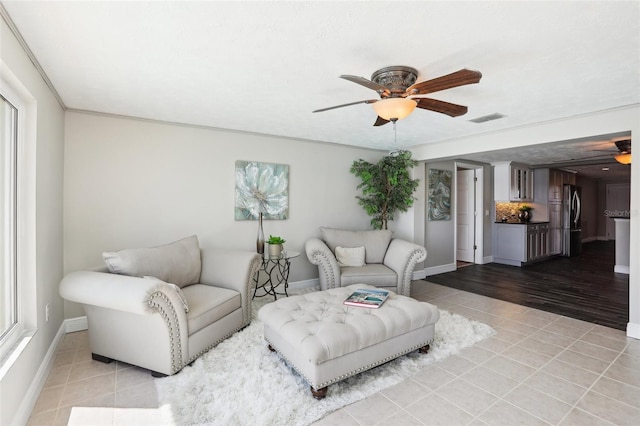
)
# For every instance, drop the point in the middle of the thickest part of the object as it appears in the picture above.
(17, 386)
(134, 183)
(440, 234)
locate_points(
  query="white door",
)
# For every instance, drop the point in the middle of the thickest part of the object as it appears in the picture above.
(465, 215)
(618, 203)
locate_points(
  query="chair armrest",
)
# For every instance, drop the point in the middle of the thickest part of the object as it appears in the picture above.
(106, 290)
(319, 254)
(231, 269)
(402, 256)
(145, 297)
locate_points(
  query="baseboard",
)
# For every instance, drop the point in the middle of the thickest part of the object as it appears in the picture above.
(633, 330)
(419, 275)
(31, 396)
(440, 269)
(76, 324)
(487, 259)
(621, 269)
(299, 285)
(315, 283)
(509, 262)
(590, 239)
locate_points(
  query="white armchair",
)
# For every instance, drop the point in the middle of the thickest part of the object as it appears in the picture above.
(368, 257)
(145, 321)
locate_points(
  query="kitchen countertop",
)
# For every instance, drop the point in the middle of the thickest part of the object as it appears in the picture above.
(517, 222)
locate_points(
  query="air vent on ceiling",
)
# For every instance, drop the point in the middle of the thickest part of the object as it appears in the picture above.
(485, 118)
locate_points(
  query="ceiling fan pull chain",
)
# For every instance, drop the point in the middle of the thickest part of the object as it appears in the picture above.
(395, 134)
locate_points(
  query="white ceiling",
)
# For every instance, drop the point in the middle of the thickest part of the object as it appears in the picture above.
(264, 66)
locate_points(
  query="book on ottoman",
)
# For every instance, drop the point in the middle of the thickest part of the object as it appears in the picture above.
(367, 298)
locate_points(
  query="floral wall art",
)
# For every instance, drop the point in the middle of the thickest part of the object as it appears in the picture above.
(261, 188)
(439, 194)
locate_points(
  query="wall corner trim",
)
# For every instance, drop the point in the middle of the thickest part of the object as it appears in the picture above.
(440, 269)
(633, 330)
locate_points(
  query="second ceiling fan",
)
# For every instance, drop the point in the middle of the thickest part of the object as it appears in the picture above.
(400, 94)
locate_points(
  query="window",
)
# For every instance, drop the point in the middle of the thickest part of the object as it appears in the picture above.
(9, 315)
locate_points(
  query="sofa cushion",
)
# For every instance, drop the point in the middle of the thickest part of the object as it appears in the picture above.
(178, 262)
(375, 242)
(372, 274)
(350, 256)
(208, 304)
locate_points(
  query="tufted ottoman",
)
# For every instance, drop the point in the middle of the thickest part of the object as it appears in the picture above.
(326, 341)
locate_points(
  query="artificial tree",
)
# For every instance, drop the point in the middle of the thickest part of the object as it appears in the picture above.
(386, 186)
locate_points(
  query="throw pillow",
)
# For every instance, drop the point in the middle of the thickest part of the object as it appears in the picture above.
(375, 242)
(178, 262)
(169, 288)
(350, 256)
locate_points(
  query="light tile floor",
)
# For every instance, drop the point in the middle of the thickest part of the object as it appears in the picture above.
(539, 369)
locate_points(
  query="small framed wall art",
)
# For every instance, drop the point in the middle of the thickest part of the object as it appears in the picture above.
(439, 194)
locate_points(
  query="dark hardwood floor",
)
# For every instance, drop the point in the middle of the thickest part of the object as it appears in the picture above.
(583, 287)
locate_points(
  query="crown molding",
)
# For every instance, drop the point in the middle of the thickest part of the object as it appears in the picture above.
(32, 57)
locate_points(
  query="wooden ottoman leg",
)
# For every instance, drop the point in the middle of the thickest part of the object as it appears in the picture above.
(271, 348)
(319, 393)
(424, 349)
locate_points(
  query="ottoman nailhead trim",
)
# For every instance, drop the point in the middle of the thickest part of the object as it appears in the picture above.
(353, 372)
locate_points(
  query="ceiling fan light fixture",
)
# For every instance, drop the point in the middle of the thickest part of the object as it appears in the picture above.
(622, 158)
(394, 108)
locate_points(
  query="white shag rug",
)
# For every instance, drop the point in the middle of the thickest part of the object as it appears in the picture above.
(241, 382)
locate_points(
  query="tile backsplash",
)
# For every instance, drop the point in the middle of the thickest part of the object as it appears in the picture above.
(507, 210)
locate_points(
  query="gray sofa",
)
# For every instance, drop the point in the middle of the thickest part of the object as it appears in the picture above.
(160, 308)
(370, 257)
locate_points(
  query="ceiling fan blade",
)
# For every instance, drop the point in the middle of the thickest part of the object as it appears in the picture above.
(452, 110)
(624, 145)
(455, 79)
(366, 83)
(368, 101)
(380, 121)
(593, 157)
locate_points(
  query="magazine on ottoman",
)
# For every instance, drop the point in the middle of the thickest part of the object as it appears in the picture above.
(367, 298)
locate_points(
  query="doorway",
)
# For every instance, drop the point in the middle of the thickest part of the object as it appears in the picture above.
(468, 217)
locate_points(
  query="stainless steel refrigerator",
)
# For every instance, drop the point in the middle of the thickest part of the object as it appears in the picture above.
(571, 224)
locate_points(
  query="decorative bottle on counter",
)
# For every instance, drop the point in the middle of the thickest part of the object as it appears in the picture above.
(260, 241)
(524, 216)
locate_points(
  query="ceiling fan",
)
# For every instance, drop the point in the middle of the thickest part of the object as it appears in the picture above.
(620, 153)
(400, 94)
(623, 144)
(623, 155)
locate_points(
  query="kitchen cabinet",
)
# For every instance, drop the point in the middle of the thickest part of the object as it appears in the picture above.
(548, 184)
(558, 178)
(537, 241)
(555, 185)
(521, 243)
(555, 228)
(512, 182)
(521, 184)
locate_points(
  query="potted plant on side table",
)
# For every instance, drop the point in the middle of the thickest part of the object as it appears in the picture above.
(275, 245)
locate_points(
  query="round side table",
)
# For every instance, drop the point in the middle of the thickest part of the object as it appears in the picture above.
(276, 272)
